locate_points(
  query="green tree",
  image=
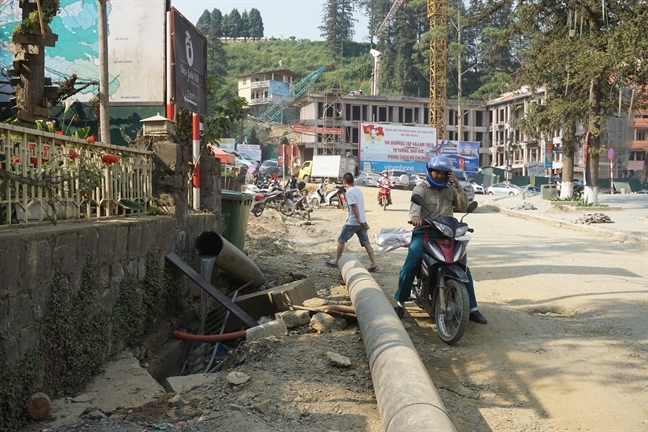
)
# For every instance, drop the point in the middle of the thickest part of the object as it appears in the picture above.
(204, 23)
(255, 24)
(584, 55)
(245, 24)
(226, 27)
(235, 24)
(337, 25)
(216, 25)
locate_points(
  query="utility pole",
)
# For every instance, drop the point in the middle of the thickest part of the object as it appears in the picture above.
(508, 163)
(104, 115)
(459, 80)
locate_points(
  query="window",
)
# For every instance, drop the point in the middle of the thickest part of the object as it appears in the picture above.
(450, 117)
(426, 115)
(638, 155)
(409, 115)
(390, 115)
(502, 118)
(479, 118)
(451, 135)
(490, 117)
(479, 136)
(465, 118)
(356, 113)
(641, 135)
(244, 81)
(466, 136)
(364, 112)
(382, 114)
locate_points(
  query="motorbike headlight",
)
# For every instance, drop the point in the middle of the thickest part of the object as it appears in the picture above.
(461, 230)
(445, 229)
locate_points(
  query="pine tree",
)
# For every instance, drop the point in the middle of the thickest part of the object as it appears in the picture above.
(337, 28)
(216, 24)
(235, 23)
(226, 27)
(245, 24)
(255, 24)
(204, 22)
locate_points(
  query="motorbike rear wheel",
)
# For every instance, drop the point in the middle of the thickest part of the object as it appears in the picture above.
(385, 203)
(315, 203)
(335, 201)
(257, 211)
(452, 324)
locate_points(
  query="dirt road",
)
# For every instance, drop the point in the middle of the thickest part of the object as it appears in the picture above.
(565, 346)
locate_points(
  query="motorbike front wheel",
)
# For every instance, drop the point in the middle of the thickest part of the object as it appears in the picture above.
(385, 203)
(335, 201)
(452, 323)
(285, 209)
(315, 203)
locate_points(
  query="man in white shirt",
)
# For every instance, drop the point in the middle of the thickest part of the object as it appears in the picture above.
(356, 224)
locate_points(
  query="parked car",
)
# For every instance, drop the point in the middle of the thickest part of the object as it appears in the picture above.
(479, 189)
(399, 179)
(503, 189)
(366, 179)
(269, 166)
(529, 191)
(415, 179)
(467, 187)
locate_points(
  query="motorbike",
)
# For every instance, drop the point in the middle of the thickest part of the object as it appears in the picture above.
(295, 204)
(332, 197)
(385, 197)
(271, 198)
(439, 285)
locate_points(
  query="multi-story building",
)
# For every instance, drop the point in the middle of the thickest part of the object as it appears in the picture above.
(263, 89)
(638, 143)
(346, 111)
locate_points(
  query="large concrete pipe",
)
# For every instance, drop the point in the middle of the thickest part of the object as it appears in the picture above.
(407, 399)
(228, 257)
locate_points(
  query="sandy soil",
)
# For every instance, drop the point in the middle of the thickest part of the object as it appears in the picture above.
(565, 347)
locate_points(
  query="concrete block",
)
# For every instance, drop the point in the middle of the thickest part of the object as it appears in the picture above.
(38, 265)
(275, 328)
(135, 241)
(20, 311)
(277, 299)
(88, 243)
(183, 384)
(65, 251)
(106, 238)
(10, 271)
(121, 243)
(294, 318)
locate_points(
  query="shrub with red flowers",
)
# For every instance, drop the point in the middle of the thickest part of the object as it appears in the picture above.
(109, 159)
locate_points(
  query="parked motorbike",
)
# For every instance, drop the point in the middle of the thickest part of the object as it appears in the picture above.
(333, 197)
(295, 204)
(440, 280)
(271, 198)
(385, 197)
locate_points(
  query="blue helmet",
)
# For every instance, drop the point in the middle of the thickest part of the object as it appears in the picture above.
(438, 163)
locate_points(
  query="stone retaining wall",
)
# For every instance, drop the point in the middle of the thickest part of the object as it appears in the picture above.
(30, 256)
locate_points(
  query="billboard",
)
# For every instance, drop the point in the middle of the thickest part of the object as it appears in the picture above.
(463, 154)
(189, 51)
(395, 147)
(548, 159)
(136, 50)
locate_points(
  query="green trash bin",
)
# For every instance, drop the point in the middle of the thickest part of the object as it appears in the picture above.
(236, 209)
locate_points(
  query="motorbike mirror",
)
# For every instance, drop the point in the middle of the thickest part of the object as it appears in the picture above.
(418, 199)
(472, 206)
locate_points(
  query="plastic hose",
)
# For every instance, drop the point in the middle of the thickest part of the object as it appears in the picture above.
(208, 338)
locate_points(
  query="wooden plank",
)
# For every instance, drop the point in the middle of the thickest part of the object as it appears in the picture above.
(47, 81)
(49, 39)
(19, 57)
(51, 92)
(13, 72)
(42, 112)
(14, 81)
(210, 289)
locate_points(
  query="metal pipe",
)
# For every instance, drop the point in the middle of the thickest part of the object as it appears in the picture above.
(407, 399)
(229, 258)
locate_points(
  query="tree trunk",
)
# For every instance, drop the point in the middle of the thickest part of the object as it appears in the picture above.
(644, 171)
(104, 115)
(567, 187)
(594, 149)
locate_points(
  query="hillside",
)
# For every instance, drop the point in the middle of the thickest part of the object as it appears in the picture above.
(353, 72)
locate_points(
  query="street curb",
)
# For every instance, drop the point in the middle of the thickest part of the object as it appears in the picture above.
(627, 237)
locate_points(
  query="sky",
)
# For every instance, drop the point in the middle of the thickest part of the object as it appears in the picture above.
(281, 18)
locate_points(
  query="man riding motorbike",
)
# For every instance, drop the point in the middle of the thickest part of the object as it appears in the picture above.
(384, 182)
(441, 193)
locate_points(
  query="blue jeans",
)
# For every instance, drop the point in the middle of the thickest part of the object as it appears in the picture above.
(407, 273)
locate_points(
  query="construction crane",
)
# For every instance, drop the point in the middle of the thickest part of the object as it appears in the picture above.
(437, 14)
(274, 111)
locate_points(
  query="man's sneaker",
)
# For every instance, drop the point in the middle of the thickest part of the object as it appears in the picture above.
(475, 316)
(400, 311)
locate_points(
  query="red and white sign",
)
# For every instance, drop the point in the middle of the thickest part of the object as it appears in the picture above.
(396, 143)
(317, 130)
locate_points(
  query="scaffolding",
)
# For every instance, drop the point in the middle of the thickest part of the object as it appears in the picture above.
(332, 115)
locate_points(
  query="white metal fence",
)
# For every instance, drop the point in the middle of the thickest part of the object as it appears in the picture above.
(46, 176)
